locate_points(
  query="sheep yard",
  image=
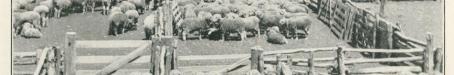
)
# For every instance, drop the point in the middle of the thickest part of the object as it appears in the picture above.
(202, 57)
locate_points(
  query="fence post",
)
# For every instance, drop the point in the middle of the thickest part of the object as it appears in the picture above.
(311, 63)
(428, 55)
(257, 62)
(439, 60)
(70, 53)
(340, 61)
(279, 65)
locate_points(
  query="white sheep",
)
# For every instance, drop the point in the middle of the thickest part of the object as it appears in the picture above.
(106, 4)
(60, 5)
(115, 9)
(140, 5)
(190, 25)
(293, 24)
(252, 25)
(126, 5)
(29, 31)
(274, 36)
(133, 15)
(29, 16)
(117, 23)
(149, 23)
(43, 11)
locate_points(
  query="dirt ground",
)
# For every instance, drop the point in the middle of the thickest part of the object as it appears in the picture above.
(416, 19)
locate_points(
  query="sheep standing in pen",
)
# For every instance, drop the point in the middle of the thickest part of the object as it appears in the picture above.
(231, 25)
(274, 36)
(149, 24)
(197, 24)
(126, 5)
(29, 31)
(252, 25)
(106, 5)
(269, 18)
(140, 5)
(293, 24)
(295, 8)
(29, 16)
(42, 10)
(188, 11)
(117, 23)
(133, 15)
(60, 5)
(50, 4)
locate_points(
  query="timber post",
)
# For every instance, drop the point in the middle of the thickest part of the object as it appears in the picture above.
(70, 53)
(340, 61)
(439, 60)
(428, 56)
(311, 63)
(257, 62)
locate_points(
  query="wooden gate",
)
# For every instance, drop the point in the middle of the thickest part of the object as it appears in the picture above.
(107, 57)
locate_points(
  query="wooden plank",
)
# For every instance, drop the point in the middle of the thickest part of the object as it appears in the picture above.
(403, 37)
(115, 65)
(300, 60)
(110, 43)
(213, 57)
(70, 53)
(43, 58)
(311, 64)
(386, 70)
(299, 50)
(129, 71)
(145, 59)
(24, 54)
(234, 65)
(385, 50)
(378, 60)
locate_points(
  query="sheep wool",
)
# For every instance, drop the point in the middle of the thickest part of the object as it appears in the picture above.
(41, 9)
(29, 31)
(132, 13)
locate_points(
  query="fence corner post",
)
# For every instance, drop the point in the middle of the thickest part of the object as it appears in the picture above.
(257, 62)
(340, 61)
(70, 53)
(428, 55)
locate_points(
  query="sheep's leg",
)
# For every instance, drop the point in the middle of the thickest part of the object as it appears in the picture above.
(243, 35)
(183, 35)
(222, 36)
(93, 3)
(295, 34)
(200, 35)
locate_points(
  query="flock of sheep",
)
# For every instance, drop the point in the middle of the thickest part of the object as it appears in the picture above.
(280, 19)
(30, 16)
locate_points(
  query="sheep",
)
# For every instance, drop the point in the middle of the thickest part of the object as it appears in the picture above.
(115, 9)
(42, 10)
(288, 15)
(190, 25)
(149, 23)
(231, 25)
(292, 8)
(134, 16)
(126, 5)
(117, 23)
(252, 25)
(21, 3)
(269, 18)
(292, 24)
(212, 8)
(29, 16)
(188, 2)
(106, 4)
(29, 31)
(60, 5)
(274, 36)
(140, 5)
(232, 15)
(189, 11)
